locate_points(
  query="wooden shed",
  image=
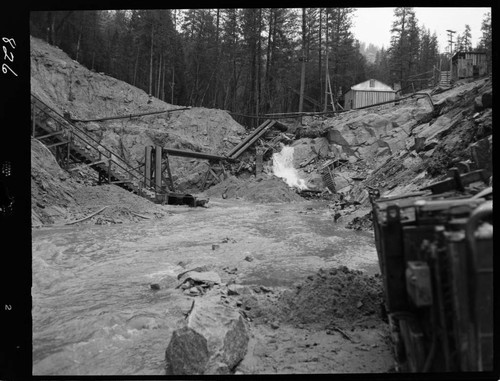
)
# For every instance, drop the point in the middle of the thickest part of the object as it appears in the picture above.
(468, 64)
(368, 93)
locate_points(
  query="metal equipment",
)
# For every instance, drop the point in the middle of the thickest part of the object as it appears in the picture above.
(436, 259)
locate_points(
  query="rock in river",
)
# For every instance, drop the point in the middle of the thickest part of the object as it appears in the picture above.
(213, 340)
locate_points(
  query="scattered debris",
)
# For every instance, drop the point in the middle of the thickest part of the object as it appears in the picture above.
(361, 223)
(197, 283)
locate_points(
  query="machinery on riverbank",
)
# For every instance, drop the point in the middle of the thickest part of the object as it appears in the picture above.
(436, 259)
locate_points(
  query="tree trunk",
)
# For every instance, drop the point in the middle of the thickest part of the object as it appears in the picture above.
(303, 70)
(320, 63)
(214, 103)
(159, 79)
(51, 28)
(258, 67)
(151, 64)
(172, 85)
(163, 81)
(267, 77)
(79, 37)
(135, 67)
(326, 60)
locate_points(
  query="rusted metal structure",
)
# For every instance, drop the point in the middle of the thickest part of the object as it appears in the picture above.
(468, 65)
(436, 259)
(368, 93)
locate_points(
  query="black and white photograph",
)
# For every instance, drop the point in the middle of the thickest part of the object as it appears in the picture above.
(255, 191)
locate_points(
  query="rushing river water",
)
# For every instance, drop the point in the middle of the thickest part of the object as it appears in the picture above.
(93, 309)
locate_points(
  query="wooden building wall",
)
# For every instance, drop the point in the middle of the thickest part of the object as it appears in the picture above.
(360, 98)
(468, 64)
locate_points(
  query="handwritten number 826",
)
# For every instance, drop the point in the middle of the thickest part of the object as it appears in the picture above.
(8, 55)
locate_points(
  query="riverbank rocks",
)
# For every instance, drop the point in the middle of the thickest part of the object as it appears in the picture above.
(195, 283)
(213, 340)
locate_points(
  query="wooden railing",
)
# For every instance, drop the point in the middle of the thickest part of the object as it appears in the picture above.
(83, 143)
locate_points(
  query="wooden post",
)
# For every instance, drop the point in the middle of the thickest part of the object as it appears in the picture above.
(158, 169)
(109, 170)
(69, 148)
(167, 167)
(67, 154)
(258, 162)
(205, 179)
(147, 166)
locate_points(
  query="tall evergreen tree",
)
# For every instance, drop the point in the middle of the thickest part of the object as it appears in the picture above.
(467, 39)
(486, 39)
(404, 45)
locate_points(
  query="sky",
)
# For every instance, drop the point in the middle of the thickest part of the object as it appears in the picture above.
(373, 25)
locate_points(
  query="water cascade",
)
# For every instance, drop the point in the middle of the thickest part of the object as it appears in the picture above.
(283, 167)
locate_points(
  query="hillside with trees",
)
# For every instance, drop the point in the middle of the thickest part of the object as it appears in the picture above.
(251, 61)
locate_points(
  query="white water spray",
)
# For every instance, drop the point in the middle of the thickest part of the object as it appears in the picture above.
(283, 167)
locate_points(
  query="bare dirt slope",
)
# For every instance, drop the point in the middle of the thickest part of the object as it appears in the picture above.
(69, 87)
(58, 198)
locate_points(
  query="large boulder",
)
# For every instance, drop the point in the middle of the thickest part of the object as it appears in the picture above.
(335, 137)
(187, 352)
(213, 339)
(481, 154)
(306, 149)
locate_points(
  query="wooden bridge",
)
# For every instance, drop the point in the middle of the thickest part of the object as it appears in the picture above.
(73, 145)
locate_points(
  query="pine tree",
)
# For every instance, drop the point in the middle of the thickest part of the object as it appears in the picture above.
(404, 45)
(467, 39)
(486, 39)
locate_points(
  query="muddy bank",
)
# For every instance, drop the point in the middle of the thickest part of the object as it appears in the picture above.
(265, 189)
(271, 248)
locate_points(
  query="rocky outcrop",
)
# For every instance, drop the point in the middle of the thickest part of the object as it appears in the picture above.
(401, 147)
(213, 340)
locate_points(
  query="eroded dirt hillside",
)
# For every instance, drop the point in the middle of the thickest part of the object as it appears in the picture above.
(58, 198)
(69, 87)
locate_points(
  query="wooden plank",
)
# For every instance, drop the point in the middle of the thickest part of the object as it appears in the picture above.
(193, 154)
(471, 177)
(214, 174)
(251, 136)
(51, 134)
(147, 167)
(87, 165)
(248, 143)
(57, 144)
(167, 167)
(205, 180)
(109, 171)
(158, 168)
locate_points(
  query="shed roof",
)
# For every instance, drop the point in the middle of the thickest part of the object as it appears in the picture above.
(461, 53)
(377, 86)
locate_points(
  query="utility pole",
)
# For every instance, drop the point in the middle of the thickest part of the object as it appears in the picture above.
(450, 40)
